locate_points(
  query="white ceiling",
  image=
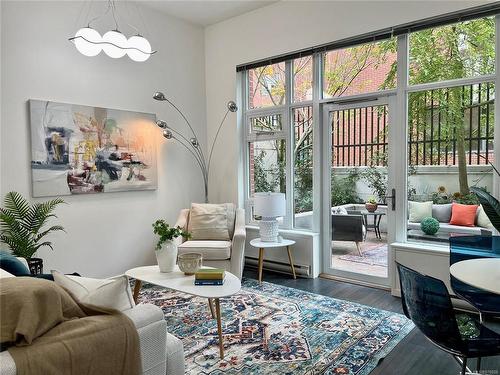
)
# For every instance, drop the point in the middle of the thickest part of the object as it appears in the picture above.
(205, 12)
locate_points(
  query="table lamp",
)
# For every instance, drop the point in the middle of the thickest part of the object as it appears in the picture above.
(269, 206)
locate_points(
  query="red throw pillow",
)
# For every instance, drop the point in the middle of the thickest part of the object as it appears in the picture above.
(463, 214)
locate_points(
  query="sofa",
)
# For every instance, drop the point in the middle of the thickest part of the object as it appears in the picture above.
(221, 239)
(161, 352)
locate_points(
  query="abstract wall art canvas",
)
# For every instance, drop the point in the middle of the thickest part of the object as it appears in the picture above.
(78, 149)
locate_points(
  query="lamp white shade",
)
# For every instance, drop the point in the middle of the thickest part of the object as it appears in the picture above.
(139, 48)
(85, 41)
(114, 45)
(269, 204)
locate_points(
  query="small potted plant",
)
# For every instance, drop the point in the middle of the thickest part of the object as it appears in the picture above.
(371, 204)
(166, 248)
(23, 227)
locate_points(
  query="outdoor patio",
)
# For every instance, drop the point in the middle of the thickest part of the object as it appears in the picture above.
(345, 255)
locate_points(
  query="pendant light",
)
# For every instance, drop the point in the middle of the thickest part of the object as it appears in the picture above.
(90, 43)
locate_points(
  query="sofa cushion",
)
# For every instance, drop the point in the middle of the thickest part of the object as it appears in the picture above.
(463, 214)
(4, 273)
(449, 228)
(210, 250)
(482, 220)
(442, 212)
(419, 211)
(211, 221)
(11, 264)
(112, 293)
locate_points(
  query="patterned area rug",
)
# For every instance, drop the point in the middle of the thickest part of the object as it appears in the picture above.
(271, 329)
(376, 255)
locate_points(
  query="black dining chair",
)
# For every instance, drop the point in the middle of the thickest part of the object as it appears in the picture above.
(473, 247)
(427, 303)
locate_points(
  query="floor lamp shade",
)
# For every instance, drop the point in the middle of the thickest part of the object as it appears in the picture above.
(269, 206)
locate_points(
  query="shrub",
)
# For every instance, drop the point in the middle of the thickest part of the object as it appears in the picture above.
(429, 225)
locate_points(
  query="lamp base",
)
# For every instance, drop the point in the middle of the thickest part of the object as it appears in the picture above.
(268, 229)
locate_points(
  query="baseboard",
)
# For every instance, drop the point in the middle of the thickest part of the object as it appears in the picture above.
(354, 282)
(280, 267)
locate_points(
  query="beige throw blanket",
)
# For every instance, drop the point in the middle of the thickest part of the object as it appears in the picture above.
(51, 333)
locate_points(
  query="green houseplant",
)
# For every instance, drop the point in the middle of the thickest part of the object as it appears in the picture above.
(371, 204)
(166, 248)
(23, 226)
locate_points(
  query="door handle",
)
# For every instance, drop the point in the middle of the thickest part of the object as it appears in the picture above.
(392, 198)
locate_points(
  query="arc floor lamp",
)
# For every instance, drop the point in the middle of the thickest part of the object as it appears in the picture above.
(191, 143)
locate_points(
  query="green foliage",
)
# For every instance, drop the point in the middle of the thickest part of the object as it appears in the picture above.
(344, 189)
(490, 205)
(371, 200)
(22, 224)
(376, 179)
(429, 225)
(167, 233)
(443, 198)
(303, 185)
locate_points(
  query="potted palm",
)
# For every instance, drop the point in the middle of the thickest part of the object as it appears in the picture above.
(166, 248)
(23, 227)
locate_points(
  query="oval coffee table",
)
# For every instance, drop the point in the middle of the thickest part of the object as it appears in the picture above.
(176, 280)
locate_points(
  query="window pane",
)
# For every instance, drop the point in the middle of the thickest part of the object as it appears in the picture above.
(302, 79)
(450, 143)
(460, 50)
(303, 166)
(361, 69)
(270, 123)
(267, 160)
(266, 86)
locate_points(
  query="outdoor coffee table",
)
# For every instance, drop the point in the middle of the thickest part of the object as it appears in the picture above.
(177, 281)
(377, 216)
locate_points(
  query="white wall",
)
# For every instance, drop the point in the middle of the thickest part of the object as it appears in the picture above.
(106, 233)
(280, 28)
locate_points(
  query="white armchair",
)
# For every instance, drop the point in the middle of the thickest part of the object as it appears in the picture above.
(228, 255)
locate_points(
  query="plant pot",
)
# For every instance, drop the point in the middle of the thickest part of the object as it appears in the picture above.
(167, 256)
(371, 207)
(35, 265)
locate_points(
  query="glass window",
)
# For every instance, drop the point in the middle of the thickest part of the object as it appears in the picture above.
(303, 166)
(360, 69)
(465, 49)
(302, 79)
(267, 166)
(268, 123)
(450, 146)
(266, 86)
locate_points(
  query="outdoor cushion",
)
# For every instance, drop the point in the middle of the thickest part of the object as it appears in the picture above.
(482, 220)
(419, 211)
(463, 214)
(339, 210)
(211, 221)
(11, 264)
(210, 250)
(442, 212)
(449, 228)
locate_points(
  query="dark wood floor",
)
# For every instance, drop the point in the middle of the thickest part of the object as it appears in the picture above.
(414, 355)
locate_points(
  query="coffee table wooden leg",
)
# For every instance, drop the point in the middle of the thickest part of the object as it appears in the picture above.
(211, 308)
(261, 263)
(291, 261)
(219, 328)
(137, 289)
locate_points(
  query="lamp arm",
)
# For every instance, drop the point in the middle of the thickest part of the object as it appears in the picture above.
(203, 170)
(213, 143)
(187, 122)
(197, 149)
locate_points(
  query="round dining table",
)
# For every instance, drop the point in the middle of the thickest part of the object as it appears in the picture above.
(482, 273)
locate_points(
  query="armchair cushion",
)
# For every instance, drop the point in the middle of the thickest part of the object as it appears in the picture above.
(13, 265)
(210, 250)
(211, 221)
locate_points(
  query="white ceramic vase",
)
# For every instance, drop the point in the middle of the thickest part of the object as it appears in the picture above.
(167, 256)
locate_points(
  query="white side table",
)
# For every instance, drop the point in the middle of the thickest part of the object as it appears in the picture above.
(261, 245)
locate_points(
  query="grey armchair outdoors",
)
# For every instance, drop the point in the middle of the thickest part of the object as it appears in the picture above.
(233, 263)
(348, 227)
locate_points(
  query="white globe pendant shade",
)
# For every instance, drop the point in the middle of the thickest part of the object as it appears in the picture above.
(139, 48)
(114, 44)
(84, 41)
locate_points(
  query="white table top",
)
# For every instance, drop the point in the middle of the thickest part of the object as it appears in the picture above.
(256, 242)
(482, 273)
(176, 280)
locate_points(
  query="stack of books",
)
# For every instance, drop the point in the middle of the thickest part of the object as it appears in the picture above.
(209, 276)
